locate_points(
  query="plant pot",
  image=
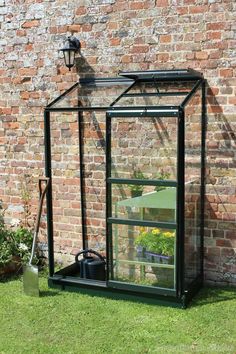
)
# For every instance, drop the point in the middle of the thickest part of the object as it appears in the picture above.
(159, 258)
(140, 250)
(167, 259)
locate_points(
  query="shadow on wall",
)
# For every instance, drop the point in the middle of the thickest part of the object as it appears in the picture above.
(220, 207)
(94, 145)
(85, 70)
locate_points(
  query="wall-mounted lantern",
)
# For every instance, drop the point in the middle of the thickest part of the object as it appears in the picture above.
(71, 47)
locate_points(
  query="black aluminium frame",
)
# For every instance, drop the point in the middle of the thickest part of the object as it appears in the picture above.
(179, 296)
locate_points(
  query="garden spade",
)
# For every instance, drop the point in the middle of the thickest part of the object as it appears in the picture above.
(30, 271)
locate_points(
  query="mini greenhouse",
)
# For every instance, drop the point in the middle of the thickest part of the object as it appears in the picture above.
(125, 157)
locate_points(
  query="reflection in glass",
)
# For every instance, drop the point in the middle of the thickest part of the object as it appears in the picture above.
(95, 93)
(144, 148)
(155, 94)
(192, 188)
(153, 205)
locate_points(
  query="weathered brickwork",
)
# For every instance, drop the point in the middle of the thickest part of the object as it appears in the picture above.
(115, 35)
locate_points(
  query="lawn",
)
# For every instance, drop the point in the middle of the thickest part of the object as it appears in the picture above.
(62, 322)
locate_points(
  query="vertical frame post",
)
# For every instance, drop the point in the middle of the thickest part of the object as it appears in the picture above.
(82, 187)
(108, 199)
(180, 205)
(48, 173)
(203, 143)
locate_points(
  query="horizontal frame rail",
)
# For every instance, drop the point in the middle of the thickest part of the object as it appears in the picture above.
(162, 225)
(144, 94)
(151, 264)
(122, 111)
(141, 288)
(154, 182)
(144, 112)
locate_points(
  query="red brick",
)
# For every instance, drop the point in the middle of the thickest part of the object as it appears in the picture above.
(198, 9)
(140, 49)
(201, 55)
(162, 3)
(30, 24)
(226, 72)
(62, 29)
(215, 109)
(165, 38)
(75, 28)
(86, 28)
(24, 95)
(115, 41)
(27, 71)
(52, 30)
(136, 5)
(126, 59)
(223, 243)
(214, 35)
(81, 10)
(112, 25)
(232, 100)
(215, 26)
(212, 91)
(163, 57)
(182, 10)
(21, 33)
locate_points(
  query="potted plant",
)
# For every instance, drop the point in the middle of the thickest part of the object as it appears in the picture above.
(15, 246)
(136, 190)
(141, 243)
(156, 245)
(163, 247)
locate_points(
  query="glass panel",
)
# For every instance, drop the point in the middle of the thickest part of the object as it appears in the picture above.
(192, 187)
(94, 178)
(65, 186)
(143, 256)
(66, 183)
(144, 148)
(155, 94)
(95, 93)
(154, 204)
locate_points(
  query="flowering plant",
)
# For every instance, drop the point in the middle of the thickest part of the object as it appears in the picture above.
(14, 243)
(156, 241)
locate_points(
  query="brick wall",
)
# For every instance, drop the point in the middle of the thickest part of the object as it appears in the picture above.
(116, 35)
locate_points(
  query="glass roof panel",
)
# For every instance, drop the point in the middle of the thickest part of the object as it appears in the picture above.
(156, 94)
(92, 93)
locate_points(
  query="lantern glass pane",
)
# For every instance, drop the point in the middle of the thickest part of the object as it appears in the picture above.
(69, 57)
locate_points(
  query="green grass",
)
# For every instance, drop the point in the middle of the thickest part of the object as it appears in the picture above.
(62, 322)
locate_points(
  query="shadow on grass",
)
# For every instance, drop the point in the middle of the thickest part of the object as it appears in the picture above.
(212, 295)
(49, 293)
(10, 277)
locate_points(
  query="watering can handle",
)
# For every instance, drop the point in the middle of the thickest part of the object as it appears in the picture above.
(87, 250)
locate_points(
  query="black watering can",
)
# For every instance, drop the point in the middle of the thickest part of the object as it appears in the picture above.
(91, 267)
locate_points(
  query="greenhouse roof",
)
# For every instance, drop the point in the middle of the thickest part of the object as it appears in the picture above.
(163, 89)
